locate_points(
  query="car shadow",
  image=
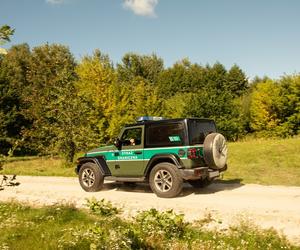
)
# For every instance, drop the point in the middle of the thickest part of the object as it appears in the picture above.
(127, 187)
(216, 186)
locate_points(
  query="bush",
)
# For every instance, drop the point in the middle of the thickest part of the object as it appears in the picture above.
(102, 207)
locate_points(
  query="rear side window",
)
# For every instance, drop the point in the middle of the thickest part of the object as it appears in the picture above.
(170, 134)
(198, 130)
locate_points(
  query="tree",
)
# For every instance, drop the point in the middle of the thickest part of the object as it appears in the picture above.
(5, 33)
(265, 105)
(134, 65)
(290, 105)
(220, 106)
(237, 82)
(13, 70)
(182, 77)
(56, 111)
(95, 76)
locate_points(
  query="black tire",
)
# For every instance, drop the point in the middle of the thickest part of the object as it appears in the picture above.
(165, 180)
(199, 183)
(90, 177)
(215, 151)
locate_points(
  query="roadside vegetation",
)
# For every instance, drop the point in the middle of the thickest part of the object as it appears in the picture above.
(103, 227)
(261, 161)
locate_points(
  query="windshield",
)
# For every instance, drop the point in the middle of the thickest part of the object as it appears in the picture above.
(199, 129)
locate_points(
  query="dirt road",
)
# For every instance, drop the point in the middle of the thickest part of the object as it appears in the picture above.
(266, 206)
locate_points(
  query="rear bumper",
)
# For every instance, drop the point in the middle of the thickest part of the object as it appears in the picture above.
(199, 173)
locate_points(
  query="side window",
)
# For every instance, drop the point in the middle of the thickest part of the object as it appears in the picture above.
(198, 130)
(171, 134)
(132, 137)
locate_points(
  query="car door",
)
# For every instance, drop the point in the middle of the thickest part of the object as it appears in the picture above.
(130, 157)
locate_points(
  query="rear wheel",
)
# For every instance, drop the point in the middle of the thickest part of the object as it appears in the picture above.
(90, 177)
(165, 180)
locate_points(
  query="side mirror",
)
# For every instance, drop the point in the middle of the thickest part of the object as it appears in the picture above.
(118, 143)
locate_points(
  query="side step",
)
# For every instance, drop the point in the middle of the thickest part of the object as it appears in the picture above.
(125, 179)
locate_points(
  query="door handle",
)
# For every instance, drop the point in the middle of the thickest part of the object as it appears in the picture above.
(138, 152)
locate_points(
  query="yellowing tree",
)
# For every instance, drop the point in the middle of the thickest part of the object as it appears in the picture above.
(145, 99)
(264, 107)
(95, 76)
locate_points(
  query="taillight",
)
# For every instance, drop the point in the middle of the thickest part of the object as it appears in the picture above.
(194, 153)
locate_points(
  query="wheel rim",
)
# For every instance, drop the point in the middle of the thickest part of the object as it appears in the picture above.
(88, 177)
(163, 180)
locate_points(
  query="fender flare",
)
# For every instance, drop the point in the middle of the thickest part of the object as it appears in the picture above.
(99, 161)
(172, 158)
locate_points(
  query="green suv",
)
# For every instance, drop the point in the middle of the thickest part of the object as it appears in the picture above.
(163, 152)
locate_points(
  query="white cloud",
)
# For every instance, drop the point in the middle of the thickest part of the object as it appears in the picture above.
(141, 7)
(55, 1)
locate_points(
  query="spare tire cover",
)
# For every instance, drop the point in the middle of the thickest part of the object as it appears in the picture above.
(215, 151)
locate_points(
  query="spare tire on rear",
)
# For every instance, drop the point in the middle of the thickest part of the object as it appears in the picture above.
(215, 151)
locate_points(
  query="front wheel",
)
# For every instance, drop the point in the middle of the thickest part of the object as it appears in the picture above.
(165, 180)
(90, 177)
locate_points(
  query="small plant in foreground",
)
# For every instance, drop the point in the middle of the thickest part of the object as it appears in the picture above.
(167, 224)
(102, 207)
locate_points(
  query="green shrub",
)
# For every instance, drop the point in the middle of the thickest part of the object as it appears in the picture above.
(167, 224)
(102, 207)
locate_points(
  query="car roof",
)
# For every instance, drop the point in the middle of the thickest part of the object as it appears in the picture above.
(166, 121)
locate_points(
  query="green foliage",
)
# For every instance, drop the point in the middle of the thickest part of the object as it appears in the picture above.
(56, 111)
(13, 68)
(134, 65)
(237, 82)
(102, 207)
(5, 158)
(183, 77)
(5, 33)
(65, 227)
(167, 224)
(119, 100)
(275, 107)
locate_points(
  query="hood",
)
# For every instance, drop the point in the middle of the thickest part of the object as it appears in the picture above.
(102, 149)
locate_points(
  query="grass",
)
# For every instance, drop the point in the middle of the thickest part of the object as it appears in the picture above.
(42, 166)
(268, 162)
(261, 161)
(65, 227)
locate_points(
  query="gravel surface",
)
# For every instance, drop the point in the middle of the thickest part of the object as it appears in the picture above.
(265, 206)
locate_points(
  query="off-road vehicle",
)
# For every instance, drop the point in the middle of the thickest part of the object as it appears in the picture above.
(163, 152)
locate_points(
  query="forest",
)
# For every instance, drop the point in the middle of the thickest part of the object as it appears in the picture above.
(54, 104)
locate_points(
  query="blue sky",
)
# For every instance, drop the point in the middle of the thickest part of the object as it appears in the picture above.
(262, 37)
